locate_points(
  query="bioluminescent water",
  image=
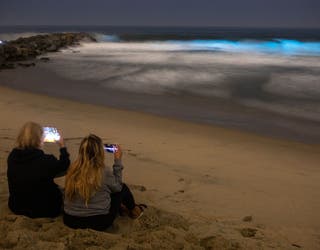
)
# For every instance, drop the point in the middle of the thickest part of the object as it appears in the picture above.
(271, 71)
(282, 78)
(276, 46)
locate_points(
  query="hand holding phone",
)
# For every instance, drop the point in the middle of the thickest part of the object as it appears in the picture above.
(110, 148)
(114, 149)
(118, 154)
(61, 141)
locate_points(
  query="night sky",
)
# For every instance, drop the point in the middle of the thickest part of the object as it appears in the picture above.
(236, 13)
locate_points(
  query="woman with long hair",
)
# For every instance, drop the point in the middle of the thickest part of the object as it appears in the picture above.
(31, 173)
(93, 193)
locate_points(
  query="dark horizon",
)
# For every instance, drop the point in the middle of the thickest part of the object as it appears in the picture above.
(159, 26)
(165, 13)
(161, 33)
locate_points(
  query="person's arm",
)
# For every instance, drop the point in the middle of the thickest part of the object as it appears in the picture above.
(60, 166)
(63, 162)
(115, 182)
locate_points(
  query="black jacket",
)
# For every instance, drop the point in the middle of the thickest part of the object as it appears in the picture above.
(32, 191)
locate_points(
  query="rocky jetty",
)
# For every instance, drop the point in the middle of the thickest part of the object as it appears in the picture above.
(30, 47)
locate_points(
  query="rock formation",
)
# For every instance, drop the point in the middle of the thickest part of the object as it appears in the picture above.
(28, 48)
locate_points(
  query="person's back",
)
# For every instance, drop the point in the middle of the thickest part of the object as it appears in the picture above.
(93, 193)
(100, 202)
(32, 191)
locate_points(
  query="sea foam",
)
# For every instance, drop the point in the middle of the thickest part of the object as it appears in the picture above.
(280, 75)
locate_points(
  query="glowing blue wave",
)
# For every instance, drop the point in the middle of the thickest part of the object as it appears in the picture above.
(274, 46)
(277, 46)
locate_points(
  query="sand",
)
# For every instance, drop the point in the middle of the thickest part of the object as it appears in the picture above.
(46, 79)
(207, 187)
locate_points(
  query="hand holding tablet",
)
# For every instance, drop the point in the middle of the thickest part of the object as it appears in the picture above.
(51, 134)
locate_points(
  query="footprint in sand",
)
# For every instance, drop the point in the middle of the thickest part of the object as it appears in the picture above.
(133, 154)
(138, 187)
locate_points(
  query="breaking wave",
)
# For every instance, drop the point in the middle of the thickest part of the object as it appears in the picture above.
(282, 76)
(275, 46)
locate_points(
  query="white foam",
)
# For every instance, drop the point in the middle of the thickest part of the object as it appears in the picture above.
(294, 85)
(158, 68)
(158, 81)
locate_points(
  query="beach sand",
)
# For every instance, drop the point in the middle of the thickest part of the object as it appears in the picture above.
(199, 181)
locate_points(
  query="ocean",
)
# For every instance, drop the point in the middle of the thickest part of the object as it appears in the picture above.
(261, 80)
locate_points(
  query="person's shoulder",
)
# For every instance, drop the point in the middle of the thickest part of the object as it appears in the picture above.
(11, 157)
(12, 153)
(25, 154)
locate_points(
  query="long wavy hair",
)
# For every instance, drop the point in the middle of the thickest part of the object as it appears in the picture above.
(84, 176)
(30, 136)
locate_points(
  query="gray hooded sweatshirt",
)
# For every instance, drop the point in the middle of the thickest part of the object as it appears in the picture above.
(100, 202)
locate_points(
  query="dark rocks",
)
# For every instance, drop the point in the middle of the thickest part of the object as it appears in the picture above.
(26, 65)
(44, 59)
(52, 48)
(30, 47)
(7, 66)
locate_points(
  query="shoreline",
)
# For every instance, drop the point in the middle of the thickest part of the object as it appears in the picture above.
(185, 108)
(213, 176)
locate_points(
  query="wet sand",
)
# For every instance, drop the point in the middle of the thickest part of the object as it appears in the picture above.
(199, 181)
(226, 113)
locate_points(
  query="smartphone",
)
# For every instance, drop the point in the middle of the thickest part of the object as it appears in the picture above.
(50, 134)
(110, 148)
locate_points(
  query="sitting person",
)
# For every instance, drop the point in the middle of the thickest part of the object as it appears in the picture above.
(93, 193)
(32, 191)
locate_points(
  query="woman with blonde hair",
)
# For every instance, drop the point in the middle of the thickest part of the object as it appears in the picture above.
(93, 193)
(31, 173)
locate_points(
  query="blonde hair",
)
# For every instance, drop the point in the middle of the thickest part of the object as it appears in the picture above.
(30, 136)
(84, 176)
